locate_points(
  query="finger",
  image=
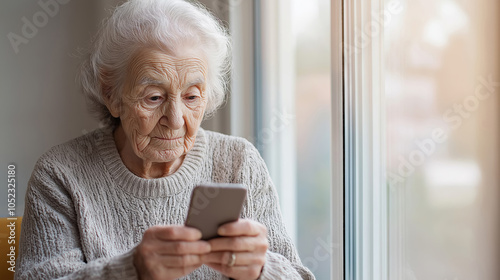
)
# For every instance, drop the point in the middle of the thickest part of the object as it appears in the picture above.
(181, 260)
(242, 258)
(158, 247)
(170, 233)
(185, 248)
(238, 272)
(242, 227)
(239, 244)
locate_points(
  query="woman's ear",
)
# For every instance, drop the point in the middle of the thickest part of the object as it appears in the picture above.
(108, 96)
(113, 107)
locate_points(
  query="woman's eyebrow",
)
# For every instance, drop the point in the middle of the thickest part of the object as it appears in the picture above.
(197, 81)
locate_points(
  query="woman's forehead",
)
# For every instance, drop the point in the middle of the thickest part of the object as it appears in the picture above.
(191, 79)
(155, 67)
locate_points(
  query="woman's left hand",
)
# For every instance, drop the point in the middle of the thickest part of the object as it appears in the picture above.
(247, 240)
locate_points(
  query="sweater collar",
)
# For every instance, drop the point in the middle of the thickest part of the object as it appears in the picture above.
(160, 187)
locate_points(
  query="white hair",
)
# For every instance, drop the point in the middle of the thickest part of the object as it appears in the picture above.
(164, 24)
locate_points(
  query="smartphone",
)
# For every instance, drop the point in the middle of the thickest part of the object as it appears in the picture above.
(213, 205)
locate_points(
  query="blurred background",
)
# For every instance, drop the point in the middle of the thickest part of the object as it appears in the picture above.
(439, 55)
(41, 102)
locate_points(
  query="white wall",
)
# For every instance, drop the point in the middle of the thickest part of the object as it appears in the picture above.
(41, 104)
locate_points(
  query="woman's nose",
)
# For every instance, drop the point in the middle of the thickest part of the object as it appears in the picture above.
(172, 115)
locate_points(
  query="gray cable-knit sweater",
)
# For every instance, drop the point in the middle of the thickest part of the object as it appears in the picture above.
(85, 211)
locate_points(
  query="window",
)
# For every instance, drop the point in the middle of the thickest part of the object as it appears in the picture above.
(420, 78)
(288, 92)
(293, 80)
(384, 118)
(438, 106)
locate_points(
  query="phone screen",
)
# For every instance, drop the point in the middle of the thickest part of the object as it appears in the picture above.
(213, 205)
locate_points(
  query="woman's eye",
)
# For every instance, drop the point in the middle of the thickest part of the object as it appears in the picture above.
(155, 98)
(192, 94)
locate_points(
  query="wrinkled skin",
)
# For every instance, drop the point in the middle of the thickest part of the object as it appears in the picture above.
(162, 106)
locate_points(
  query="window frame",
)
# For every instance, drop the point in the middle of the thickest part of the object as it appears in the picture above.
(337, 210)
(365, 198)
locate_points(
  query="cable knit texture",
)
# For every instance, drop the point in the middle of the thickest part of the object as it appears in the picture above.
(85, 211)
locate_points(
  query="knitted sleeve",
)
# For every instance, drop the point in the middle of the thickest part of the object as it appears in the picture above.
(50, 246)
(282, 261)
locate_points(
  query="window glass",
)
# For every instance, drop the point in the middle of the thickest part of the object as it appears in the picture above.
(311, 29)
(438, 108)
(293, 119)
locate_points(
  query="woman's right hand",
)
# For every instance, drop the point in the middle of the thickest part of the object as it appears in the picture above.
(169, 252)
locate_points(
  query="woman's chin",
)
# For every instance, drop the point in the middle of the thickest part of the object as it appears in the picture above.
(163, 155)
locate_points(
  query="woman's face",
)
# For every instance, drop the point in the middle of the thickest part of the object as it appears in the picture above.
(163, 102)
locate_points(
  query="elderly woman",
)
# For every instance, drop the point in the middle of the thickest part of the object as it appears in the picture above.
(111, 204)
